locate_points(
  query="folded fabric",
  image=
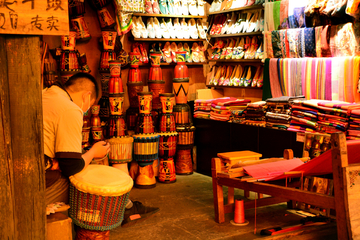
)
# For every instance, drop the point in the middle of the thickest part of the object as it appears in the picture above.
(203, 108)
(304, 121)
(203, 104)
(304, 114)
(277, 116)
(300, 129)
(355, 133)
(284, 99)
(230, 101)
(203, 101)
(257, 104)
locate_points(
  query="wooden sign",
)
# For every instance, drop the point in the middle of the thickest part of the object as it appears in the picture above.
(35, 17)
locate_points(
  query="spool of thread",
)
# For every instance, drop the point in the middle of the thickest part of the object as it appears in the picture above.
(239, 214)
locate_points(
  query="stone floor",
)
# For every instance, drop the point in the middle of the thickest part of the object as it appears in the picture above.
(187, 212)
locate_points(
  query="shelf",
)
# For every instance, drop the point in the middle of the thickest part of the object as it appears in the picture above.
(167, 15)
(253, 7)
(174, 64)
(168, 39)
(213, 86)
(237, 60)
(237, 34)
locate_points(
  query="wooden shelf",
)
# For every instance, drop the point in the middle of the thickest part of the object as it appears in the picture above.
(167, 15)
(237, 34)
(253, 7)
(237, 60)
(168, 40)
(217, 86)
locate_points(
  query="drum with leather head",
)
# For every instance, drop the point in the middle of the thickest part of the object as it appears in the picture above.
(98, 195)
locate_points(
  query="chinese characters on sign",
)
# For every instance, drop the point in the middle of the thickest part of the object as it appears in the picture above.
(35, 17)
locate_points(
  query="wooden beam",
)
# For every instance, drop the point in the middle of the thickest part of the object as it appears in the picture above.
(24, 76)
(7, 222)
(316, 199)
(339, 162)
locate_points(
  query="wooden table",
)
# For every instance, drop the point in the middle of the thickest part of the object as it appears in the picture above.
(345, 206)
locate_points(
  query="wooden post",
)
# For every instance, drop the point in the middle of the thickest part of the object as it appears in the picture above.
(7, 224)
(339, 162)
(217, 191)
(22, 178)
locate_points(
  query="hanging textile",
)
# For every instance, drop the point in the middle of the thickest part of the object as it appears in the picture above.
(324, 41)
(266, 81)
(309, 35)
(335, 71)
(274, 78)
(318, 31)
(284, 13)
(328, 79)
(276, 44)
(276, 15)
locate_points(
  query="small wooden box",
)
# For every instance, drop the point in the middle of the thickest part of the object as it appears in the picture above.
(58, 227)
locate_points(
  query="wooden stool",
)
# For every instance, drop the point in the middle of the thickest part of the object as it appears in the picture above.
(58, 227)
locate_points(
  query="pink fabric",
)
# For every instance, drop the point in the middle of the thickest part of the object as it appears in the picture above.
(270, 170)
(313, 79)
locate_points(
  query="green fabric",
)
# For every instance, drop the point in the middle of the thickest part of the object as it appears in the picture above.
(266, 81)
(276, 14)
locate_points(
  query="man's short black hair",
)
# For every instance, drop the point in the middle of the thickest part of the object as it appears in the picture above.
(81, 76)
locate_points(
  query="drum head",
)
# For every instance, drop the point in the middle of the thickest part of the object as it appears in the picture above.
(102, 180)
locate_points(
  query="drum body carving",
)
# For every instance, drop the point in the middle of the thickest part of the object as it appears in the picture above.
(167, 171)
(183, 162)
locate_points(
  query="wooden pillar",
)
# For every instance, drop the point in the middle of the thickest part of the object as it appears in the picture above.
(22, 178)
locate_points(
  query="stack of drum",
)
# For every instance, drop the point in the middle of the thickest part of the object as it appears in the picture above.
(168, 139)
(69, 64)
(156, 84)
(76, 13)
(134, 85)
(183, 119)
(146, 144)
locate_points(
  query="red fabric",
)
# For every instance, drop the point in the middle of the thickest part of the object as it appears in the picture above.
(323, 164)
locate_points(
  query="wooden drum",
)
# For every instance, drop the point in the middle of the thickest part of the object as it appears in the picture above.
(167, 144)
(186, 135)
(98, 195)
(120, 149)
(146, 148)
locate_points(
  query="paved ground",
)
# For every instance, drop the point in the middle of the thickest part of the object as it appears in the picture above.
(187, 212)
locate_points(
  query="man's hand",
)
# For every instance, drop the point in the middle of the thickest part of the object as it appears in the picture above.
(100, 149)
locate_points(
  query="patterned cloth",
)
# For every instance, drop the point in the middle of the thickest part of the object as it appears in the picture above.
(276, 44)
(309, 35)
